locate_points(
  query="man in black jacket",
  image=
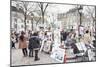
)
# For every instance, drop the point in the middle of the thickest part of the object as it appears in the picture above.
(63, 35)
(34, 44)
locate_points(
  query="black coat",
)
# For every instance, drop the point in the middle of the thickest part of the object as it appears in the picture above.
(63, 36)
(34, 42)
(75, 49)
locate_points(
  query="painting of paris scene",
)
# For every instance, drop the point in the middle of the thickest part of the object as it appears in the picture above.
(51, 33)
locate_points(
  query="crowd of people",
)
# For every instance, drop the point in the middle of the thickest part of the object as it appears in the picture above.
(85, 35)
(43, 40)
(26, 44)
(32, 41)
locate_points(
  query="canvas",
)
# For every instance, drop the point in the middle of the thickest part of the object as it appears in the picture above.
(51, 33)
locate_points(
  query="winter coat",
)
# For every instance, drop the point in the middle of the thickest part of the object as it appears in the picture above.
(34, 42)
(23, 44)
(63, 36)
(87, 39)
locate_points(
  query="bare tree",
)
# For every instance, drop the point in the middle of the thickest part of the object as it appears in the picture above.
(35, 18)
(91, 13)
(16, 14)
(43, 7)
(53, 20)
(28, 8)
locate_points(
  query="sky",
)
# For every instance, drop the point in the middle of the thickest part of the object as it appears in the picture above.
(56, 8)
(59, 8)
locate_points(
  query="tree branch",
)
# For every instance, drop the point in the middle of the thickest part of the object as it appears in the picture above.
(38, 20)
(45, 7)
(31, 7)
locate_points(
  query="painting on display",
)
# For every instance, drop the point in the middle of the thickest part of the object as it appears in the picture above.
(51, 33)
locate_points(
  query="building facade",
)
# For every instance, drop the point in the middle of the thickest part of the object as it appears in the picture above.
(71, 19)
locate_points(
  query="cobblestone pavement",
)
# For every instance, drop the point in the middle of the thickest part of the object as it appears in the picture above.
(18, 59)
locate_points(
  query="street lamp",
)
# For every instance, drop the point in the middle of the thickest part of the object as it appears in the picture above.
(80, 22)
(80, 13)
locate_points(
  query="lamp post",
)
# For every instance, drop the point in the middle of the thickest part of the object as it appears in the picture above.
(80, 13)
(80, 22)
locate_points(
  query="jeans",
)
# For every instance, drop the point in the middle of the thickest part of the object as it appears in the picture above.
(30, 52)
(36, 54)
(24, 50)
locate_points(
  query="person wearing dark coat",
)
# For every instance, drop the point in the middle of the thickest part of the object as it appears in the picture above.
(63, 36)
(13, 40)
(34, 44)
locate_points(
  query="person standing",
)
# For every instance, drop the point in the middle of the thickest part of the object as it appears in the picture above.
(30, 46)
(16, 35)
(87, 38)
(13, 40)
(23, 43)
(34, 44)
(63, 35)
(81, 31)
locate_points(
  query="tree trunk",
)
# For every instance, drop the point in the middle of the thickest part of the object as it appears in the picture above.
(32, 24)
(25, 23)
(42, 17)
(16, 24)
